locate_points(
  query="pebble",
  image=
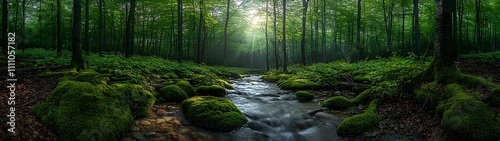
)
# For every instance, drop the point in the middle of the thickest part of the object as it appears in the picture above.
(135, 128)
(161, 113)
(138, 136)
(145, 122)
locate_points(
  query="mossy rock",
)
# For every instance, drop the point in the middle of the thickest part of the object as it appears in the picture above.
(495, 96)
(58, 73)
(186, 87)
(432, 91)
(337, 102)
(213, 112)
(304, 96)
(139, 100)
(224, 84)
(83, 111)
(465, 115)
(213, 90)
(88, 76)
(357, 124)
(171, 93)
(298, 84)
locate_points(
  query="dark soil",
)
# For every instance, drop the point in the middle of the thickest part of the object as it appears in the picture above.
(30, 90)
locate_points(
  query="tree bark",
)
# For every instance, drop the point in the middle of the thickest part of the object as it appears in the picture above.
(358, 34)
(225, 32)
(444, 51)
(275, 38)
(77, 60)
(179, 30)
(416, 27)
(129, 30)
(285, 60)
(59, 36)
(267, 38)
(323, 30)
(86, 42)
(305, 4)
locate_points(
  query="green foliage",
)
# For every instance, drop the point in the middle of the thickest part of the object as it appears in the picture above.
(171, 93)
(58, 73)
(495, 96)
(213, 90)
(224, 84)
(139, 99)
(83, 111)
(186, 87)
(488, 57)
(337, 102)
(465, 115)
(359, 123)
(213, 112)
(304, 96)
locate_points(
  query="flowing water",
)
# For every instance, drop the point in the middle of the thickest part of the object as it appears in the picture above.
(276, 115)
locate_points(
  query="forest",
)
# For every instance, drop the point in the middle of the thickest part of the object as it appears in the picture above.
(250, 70)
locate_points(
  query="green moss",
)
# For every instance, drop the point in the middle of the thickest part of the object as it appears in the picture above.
(224, 84)
(432, 91)
(465, 115)
(298, 84)
(83, 111)
(139, 100)
(56, 73)
(213, 112)
(364, 96)
(304, 96)
(171, 93)
(359, 123)
(186, 86)
(337, 102)
(88, 76)
(213, 90)
(495, 96)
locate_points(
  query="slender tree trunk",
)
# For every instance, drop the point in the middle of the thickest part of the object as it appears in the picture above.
(305, 4)
(403, 27)
(40, 41)
(323, 30)
(358, 34)
(179, 30)
(275, 38)
(59, 36)
(77, 60)
(477, 26)
(86, 42)
(388, 24)
(285, 59)
(267, 38)
(416, 27)
(101, 28)
(225, 33)
(454, 21)
(129, 30)
(200, 28)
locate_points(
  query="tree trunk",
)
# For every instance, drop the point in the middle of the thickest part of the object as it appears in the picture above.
(59, 36)
(225, 32)
(179, 30)
(444, 51)
(101, 28)
(275, 38)
(416, 27)
(388, 24)
(22, 40)
(129, 30)
(305, 3)
(200, 28)
(285, 60)
(267, 38)
(86, 42)
(358, 34)
(323, 30)
(77, 60)
(477, 26)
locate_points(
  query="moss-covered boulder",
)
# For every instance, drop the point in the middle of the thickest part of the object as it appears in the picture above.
(186, 87)
(139, 100)
(465, 115)
(337, 102)
(298, 84)
(213, 112)
(224, 84)
(359, 123)
(495, 96)
(213, 90)
(88, 76)
(171, 93)
(304, 96)
(83, 111)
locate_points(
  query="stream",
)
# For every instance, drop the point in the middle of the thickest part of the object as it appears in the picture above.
(274, 114)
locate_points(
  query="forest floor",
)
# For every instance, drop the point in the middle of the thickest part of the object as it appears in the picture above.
(401, 118)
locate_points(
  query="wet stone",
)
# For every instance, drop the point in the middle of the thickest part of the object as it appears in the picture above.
(135, 128)
(145, 122)
(149, 134)
(138, 136)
